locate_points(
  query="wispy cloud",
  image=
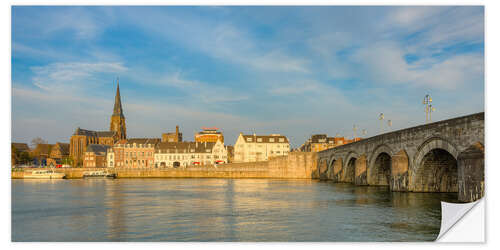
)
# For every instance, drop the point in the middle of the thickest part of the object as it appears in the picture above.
(65, 76)
(219, 40)
(385, 63)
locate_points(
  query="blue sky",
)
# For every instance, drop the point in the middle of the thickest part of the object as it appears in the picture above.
(290, 70)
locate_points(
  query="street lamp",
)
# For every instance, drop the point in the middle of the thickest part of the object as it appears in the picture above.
(381, 118)
(354, 129)
(431, 109)
(428, 107)
(389, 123)
(364, 132)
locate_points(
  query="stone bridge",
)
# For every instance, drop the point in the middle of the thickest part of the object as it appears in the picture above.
(444, 156)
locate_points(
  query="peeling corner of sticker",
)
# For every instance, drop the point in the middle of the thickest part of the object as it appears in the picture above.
(451, 213)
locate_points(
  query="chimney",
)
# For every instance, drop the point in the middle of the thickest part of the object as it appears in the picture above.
(177, 130)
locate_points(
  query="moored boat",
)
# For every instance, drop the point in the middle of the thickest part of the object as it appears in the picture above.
(98, 174)
(45, 174)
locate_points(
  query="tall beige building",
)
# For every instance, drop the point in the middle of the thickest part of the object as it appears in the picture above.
(251, 148)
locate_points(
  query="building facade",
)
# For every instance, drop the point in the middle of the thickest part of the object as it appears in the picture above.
(172, 137)
(95, 156)
(183, 154)
(251, 148)
(115, 156)
(209, 135)
(139, 152)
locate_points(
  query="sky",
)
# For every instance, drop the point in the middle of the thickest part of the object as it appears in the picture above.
(295, 71)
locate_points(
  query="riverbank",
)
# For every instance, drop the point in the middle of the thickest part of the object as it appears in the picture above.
(297, 165)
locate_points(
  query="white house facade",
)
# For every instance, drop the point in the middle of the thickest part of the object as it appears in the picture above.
(183, 154)
(251, 148)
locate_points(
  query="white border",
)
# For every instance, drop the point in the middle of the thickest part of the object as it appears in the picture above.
(492, 16)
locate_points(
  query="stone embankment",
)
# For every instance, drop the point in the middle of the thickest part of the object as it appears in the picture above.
(297, 165)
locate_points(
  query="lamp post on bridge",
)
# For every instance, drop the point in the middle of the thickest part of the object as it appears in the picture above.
(354, 129)
(389, 123)
(428, 108)
(381, 118)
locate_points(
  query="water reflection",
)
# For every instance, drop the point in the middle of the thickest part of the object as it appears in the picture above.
(219, 210)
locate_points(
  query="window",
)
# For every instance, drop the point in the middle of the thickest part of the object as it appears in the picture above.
(271, 139)
(259, 139)
(282, 139)
(142, 153)
(249, 139)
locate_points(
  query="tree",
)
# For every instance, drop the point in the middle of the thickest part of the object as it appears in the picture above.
(14, 154)
(36, 141)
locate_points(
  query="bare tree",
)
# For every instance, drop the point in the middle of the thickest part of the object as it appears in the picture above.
(37, 141)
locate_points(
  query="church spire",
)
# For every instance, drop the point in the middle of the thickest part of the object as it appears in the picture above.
(117, 110)
(118, 119)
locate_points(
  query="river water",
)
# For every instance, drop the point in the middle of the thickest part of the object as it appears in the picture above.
(219, 210)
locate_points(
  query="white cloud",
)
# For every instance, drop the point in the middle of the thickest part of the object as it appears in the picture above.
(385, 63)
(66, 76)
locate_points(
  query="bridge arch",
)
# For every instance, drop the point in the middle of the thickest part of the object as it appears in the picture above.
(348, 171)
(379, 170)
(335, 167)
(435, 167)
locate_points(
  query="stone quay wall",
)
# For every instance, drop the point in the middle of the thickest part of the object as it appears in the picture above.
(297, 165)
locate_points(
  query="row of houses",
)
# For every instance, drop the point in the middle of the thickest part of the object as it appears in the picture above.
(153, 153)
(320, 142)
(158, 153)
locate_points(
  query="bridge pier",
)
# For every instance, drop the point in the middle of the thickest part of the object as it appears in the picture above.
(399, 172)
(471, 174)
(360, 171)
(323, 170)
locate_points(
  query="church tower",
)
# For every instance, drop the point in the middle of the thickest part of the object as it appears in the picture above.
(117, 119)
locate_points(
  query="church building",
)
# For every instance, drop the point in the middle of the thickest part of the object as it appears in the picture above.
(83, 137)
